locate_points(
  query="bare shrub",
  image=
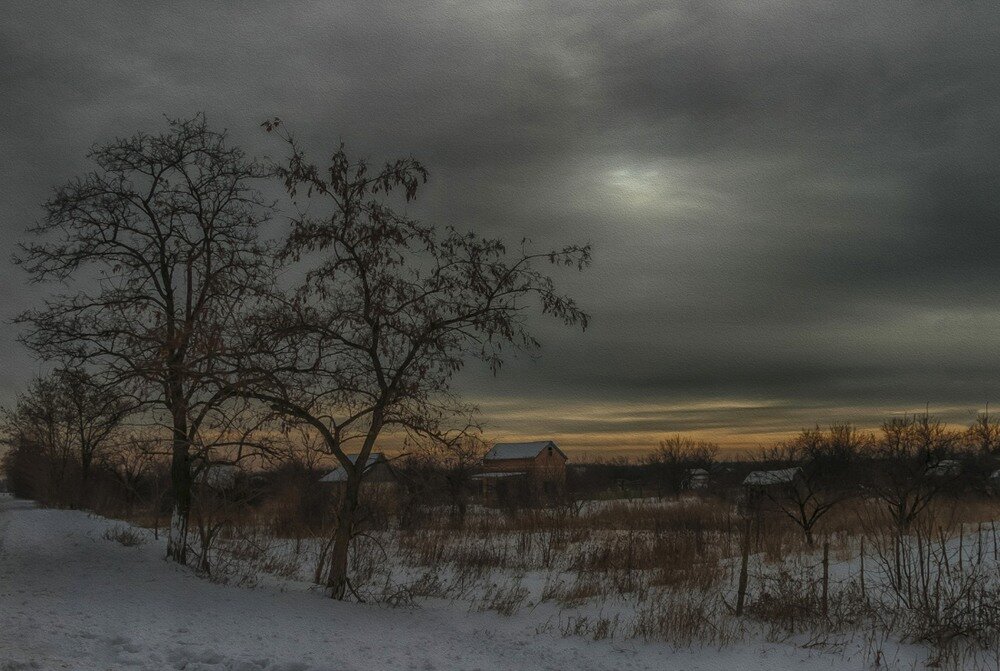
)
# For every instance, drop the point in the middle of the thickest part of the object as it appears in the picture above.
(126, 535)
(596, 627)
(938, 591)
(684, 618)
(504, 598)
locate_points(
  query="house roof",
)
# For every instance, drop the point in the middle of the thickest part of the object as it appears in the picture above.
(945, 467)
(520, 450)
(340, 475)
(766, 478)
(499, 474)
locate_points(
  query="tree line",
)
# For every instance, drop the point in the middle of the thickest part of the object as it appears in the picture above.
(176, 318)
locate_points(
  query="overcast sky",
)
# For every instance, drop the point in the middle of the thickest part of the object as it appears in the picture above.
(794, 210)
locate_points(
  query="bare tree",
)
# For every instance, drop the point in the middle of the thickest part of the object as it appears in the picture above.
(824, 461)
(984, 434)
(444, 466)
(132, 458)
(674, 457)
(389, 311)
(95, 412)
(161, 240)
(69, 418)
(909, 474)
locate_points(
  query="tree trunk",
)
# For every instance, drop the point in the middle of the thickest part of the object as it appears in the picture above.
(337, 578)
(180, 482)
(85, 461)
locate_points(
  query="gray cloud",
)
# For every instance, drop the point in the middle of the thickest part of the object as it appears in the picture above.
(790, 203)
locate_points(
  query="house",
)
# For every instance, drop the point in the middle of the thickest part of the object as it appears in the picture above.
(946, 468)
(695, 478)
(775, 478)
(376, 472)
(529, 471)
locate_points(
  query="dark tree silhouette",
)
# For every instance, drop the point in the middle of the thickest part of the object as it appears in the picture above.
(825, 461)
(66, 419)
(912, 455)
(389, 311)
(161, 240)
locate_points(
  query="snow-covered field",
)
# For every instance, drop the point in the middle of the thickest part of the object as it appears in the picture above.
(71, 599)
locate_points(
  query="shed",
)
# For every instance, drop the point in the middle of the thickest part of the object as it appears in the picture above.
(377, 469)
(763, 479)
(946, 468)
(696, 478)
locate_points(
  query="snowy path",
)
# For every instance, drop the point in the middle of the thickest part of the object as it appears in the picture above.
(69, 599)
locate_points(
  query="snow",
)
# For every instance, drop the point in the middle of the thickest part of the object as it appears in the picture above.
(72, 599)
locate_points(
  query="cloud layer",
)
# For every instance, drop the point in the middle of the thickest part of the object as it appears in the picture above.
(792, 207)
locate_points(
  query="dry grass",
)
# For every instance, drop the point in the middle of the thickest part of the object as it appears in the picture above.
(127, 536)
(654, 570)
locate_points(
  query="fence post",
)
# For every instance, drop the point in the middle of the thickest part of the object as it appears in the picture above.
(826, 575)
(741, 591)
(864, 592)
(961, 546)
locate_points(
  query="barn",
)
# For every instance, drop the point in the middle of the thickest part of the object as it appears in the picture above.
(528, 471)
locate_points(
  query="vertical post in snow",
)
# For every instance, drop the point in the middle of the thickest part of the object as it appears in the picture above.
(961, 546)
(741, 591)
(826, 576)
(864, 591)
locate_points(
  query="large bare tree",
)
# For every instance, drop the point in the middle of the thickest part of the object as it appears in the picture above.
(389, 310)
(159, 245)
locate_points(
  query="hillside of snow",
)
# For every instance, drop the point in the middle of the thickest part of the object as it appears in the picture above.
(72, 599)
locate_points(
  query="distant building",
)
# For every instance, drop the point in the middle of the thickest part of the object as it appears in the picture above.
(530, 470)
(761, 488)
(377, 471)
(695, 478)
(774, 478)
(220, 477)
(946, 468)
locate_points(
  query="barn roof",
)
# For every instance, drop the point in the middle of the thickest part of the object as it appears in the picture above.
(767, 478)
(520, 450)
(499, 474)
(340, 475)
(945, 468)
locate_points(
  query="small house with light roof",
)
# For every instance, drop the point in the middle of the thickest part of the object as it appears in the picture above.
(530, 470)
(377, 473)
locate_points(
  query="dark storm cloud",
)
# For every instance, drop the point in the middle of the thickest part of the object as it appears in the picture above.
(789, 203)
